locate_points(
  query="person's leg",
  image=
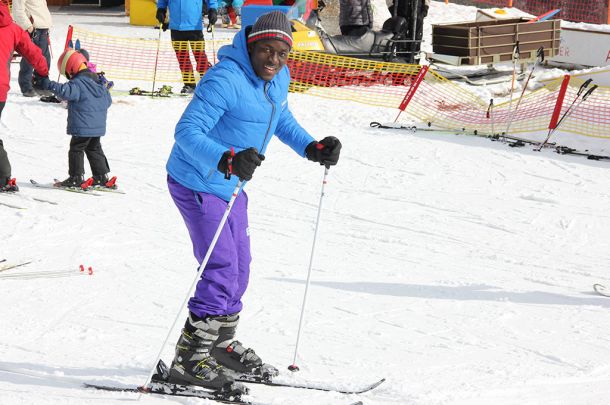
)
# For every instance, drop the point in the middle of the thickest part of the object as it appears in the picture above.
(197, 44)
(181, 48)
(5, 165)
(76, 161)
(202, 214)
(238, 224)
(237, 5)
(97, 158)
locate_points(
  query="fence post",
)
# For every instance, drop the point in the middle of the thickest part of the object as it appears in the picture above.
(412, 89)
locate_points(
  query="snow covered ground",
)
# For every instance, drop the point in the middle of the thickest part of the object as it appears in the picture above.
(457, 268)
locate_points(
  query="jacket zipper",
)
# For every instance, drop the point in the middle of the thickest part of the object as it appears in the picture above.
(272, 114)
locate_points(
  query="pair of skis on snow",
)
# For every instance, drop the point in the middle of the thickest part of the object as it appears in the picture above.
(160, 385)
(86, 187)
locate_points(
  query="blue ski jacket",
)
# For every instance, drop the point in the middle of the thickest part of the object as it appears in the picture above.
(231, 107)
(88, 103)
(185, 15)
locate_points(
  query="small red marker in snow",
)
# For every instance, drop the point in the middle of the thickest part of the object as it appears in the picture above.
(82, 268)
(90, 271)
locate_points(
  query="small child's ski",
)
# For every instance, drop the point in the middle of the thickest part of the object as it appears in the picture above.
(12, 266)
(53, 186)
(109, 187)
(601, 290)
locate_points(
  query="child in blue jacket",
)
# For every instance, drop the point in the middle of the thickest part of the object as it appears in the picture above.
(88, 102)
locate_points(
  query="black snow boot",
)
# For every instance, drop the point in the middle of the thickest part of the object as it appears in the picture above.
(71, 181)
(193, 364)
(233, 355)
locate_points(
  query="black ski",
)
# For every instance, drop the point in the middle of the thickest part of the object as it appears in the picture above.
(70, 189)
(414, 128)
(267, 379)
(305, 386)
(159, 384)
(564, 150)
(165, 388)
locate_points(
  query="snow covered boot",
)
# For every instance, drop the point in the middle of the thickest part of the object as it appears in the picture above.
(10, 186)
(233, 355)
(193, 364)
(71, 181)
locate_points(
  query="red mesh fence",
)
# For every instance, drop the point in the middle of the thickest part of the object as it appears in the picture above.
(439, 102)
(590, 11)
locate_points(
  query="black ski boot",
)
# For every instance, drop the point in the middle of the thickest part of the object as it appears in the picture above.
(71, 182)
(193, 364)
(188, 89)
(242, 361)
(10, 186)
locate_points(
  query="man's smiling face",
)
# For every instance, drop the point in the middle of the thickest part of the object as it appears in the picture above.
(268, 57)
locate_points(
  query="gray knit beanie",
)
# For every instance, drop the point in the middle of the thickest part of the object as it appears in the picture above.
(273, 25)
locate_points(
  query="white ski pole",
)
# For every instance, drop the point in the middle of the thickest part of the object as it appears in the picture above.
(196, 279)
(539, 60)
(293, 367)
(512, 86)
(152, 91)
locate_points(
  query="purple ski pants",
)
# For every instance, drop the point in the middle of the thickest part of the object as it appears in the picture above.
(225, 277)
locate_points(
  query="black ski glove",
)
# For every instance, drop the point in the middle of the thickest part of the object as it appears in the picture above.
(41, 82)
(241, 164)
(326, 152)
(212, 16)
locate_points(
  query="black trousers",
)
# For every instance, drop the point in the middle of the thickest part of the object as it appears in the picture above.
(5, 165)
(92, 147)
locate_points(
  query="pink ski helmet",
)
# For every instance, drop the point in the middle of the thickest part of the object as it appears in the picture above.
(69, 62)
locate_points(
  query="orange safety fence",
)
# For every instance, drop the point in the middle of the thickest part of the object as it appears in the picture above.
(426, 96)
(589, 11)
(136, 58)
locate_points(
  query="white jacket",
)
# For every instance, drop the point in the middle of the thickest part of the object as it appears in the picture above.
(32, 14)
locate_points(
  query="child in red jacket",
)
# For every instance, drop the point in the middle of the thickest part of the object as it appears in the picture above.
(13, 38)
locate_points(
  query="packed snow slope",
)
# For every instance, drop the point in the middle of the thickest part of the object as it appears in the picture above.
(459, 269)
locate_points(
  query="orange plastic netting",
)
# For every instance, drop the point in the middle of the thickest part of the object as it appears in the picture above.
(437, 100)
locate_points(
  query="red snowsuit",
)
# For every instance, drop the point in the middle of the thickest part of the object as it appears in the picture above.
(12, 38)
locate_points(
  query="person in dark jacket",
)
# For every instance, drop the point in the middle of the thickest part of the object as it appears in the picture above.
(88, 102)
(414, 12)
(355, 17)
(186, 27)
(13, 38)
(221, 138)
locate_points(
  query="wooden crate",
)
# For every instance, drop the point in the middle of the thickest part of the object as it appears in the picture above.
(486, 42)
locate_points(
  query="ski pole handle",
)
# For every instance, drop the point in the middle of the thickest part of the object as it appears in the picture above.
(588, 93)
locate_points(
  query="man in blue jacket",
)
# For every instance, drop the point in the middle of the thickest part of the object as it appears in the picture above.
(187, 31)
(221, 138)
